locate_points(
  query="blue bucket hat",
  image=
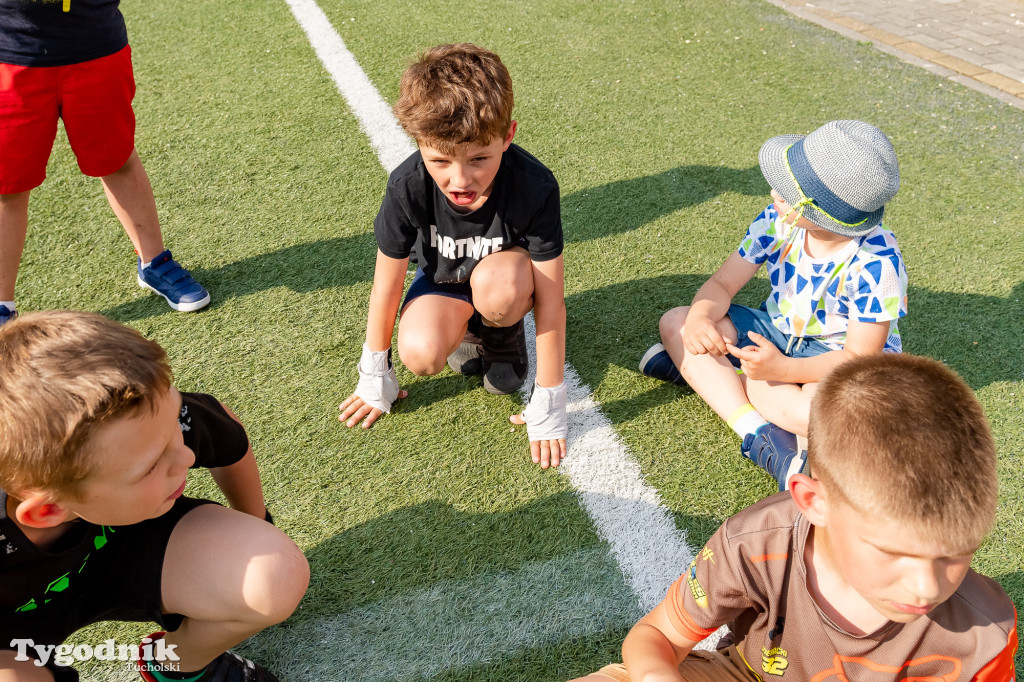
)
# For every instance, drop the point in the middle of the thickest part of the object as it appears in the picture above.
(840, 176)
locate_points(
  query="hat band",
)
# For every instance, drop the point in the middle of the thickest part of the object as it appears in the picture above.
(810, 185)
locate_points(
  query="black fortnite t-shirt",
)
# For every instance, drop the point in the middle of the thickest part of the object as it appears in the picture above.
(30, 575)
(59, 32)
(415, 219)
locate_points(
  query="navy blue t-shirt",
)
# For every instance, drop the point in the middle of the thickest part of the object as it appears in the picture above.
(41, 33)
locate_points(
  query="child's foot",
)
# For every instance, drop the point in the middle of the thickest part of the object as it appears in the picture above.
(776, 451)
(166, 277)
(466, 358)
(504, 359)
(657, 364)
(7, 314)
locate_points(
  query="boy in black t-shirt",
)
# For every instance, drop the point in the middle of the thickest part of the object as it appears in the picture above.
(95, 445)
(480, 217)
(70, 60)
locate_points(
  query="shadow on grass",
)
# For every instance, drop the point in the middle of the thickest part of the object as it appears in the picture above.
(425, 391)
(342, 261)
(432, 592)
(417, 546)
(978, 336)
(311, 266)
(626, 205)
(574, 657)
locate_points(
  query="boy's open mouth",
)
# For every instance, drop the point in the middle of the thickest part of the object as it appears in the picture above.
(462, 198)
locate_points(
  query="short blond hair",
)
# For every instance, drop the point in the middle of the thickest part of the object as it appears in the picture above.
(62, 375)
(905, 438)
(455, 94)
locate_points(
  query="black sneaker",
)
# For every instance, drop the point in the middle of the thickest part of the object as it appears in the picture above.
(227, 667)
(466, 358)
(503, 356)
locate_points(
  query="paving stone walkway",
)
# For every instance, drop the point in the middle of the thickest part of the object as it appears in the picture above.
(979, 43)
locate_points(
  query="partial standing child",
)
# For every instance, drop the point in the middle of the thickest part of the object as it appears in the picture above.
(70, 60)
(95, 448)
(861, 572)
(480, 217)
(838, 286)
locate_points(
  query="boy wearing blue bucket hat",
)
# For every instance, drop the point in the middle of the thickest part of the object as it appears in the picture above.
(838, 282)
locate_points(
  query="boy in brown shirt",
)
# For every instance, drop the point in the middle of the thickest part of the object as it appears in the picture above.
(862, 570)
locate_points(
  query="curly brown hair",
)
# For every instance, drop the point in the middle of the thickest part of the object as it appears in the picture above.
(454, 94)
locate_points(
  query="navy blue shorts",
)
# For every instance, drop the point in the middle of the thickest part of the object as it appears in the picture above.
(423, 285)
(748, 320)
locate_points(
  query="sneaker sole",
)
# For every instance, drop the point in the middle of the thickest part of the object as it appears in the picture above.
(180, 307)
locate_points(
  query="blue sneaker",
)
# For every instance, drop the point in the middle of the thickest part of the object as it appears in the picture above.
(776, 451)
(657, 364)
(6, 314)
(174, 283)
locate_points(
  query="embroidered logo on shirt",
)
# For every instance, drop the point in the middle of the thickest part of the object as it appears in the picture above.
(696, 588)
(773, 661)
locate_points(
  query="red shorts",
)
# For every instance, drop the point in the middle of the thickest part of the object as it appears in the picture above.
(93, 98)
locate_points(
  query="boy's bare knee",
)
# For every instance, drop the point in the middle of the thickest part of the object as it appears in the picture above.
(276, 581)
(13, 670)
(672, 322)
(422, 357)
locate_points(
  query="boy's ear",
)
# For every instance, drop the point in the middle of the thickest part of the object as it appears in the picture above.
(37, 510)
(810, 497)
(511, 134)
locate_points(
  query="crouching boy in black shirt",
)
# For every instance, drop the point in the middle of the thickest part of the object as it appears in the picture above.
(480, 216)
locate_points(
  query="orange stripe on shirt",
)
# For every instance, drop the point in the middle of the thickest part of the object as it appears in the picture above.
(680, 617)
(1000, 668)
(768, 557)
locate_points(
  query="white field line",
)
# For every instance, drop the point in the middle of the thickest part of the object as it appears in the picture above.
(626, 511)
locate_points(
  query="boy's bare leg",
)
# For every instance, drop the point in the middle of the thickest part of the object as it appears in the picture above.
(231, 575)
(21, 671)
(787, 405)
(503, 287)
(713, 377)
(13, 228)
(430, 329)
(131, 196)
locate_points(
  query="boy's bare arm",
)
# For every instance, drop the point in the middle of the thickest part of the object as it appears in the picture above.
(711, 304)
(767, 363)
(385, 298)
(654, 648)
(549, 317)
(240, 482)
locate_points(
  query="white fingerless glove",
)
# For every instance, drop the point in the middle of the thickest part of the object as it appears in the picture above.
(378, 385)
(545, 415)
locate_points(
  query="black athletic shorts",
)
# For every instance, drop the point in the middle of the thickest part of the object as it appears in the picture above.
(119, 582)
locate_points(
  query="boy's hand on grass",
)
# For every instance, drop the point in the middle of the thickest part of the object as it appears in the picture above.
(376, 392)
(760, 362)
(701, 336)
(547, 424)
(355, 408)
